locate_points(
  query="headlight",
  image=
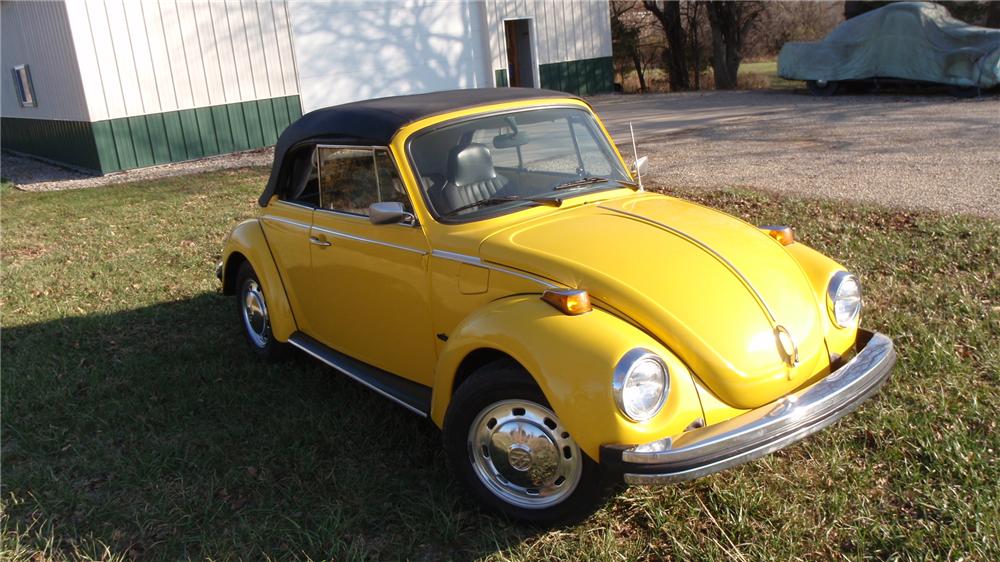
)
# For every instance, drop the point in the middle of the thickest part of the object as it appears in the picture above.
(843, 299)
(640, 384)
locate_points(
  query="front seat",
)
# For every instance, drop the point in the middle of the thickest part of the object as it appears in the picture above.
(471, 177)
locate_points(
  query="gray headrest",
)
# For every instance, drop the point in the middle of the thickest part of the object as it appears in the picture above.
(470, 164)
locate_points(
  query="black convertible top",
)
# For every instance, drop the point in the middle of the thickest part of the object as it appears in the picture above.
(374, 122)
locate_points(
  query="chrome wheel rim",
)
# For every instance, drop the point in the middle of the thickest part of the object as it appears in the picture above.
(254, 311)
(523, 455)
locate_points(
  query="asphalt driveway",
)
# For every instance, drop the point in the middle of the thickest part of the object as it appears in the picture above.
(921, 151)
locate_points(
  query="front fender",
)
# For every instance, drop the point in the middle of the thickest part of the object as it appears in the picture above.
(247, 242)
(820, 269)
(572, 358)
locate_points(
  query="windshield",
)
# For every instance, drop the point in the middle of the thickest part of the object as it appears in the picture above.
(502, 163)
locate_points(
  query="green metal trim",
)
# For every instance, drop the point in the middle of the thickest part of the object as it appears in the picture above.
(72, 142)
(583, 77)
(501, 78)
(158, 138)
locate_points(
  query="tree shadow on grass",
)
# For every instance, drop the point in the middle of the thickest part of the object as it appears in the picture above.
(156, 432)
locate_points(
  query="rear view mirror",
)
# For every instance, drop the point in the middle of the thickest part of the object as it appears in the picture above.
(510, 140)
(389, 212)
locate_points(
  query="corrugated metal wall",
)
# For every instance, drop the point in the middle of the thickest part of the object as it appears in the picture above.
(38, 34)
(563, 31)
(155, 56)
(361, 49)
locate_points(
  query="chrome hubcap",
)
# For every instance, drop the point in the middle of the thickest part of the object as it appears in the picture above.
(522, 454)
(255, 313)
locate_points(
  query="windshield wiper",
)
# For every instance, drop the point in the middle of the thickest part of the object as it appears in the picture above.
(580, 182)
(504, 199)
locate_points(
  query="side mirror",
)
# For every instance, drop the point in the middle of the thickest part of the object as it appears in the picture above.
(389, 212)
(640, 165)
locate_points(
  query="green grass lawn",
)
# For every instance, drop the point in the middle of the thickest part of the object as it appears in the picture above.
(137, 425)
(752, 76)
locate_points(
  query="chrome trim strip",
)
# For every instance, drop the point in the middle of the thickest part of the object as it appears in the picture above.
(446, 255)
(710, 250)
(286, 221)
(472, 260)
(769, 428)
(355, 377)
(368, 240)
(354, 146)
(294, 204)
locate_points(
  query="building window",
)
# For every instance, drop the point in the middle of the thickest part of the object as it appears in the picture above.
(22, 82)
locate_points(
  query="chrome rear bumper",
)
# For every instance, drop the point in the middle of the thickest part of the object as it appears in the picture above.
(761, 431)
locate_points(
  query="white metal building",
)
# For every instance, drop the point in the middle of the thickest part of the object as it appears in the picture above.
(116, 84)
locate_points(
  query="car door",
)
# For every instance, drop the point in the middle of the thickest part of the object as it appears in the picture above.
(286, 221)
(370, 297)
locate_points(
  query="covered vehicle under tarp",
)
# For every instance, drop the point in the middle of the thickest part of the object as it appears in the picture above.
(906, 40)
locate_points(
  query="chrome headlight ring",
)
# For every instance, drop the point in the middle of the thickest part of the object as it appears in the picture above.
(640, 384)
(843, 299)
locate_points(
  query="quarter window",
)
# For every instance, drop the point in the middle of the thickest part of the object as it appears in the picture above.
(351, 179)
(22, 83)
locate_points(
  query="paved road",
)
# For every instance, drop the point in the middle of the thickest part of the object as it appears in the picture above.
(920, 151)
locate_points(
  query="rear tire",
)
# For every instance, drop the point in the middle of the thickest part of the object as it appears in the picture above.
(823, 88)
(509, 449)
(251, 311)
(964, 92)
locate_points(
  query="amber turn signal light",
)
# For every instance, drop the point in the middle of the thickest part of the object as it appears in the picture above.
(569, 301)
(783, 234)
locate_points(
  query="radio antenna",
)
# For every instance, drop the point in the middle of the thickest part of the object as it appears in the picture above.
(635, 155)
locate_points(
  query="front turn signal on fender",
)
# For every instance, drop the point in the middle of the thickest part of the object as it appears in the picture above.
(783, 234)
(568, 301)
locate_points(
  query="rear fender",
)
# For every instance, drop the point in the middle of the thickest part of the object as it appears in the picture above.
(247, 243)
(572, 359)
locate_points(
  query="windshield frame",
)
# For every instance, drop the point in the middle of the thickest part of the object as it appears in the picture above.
(516, 205)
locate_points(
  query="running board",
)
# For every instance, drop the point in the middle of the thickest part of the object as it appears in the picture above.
(408, 394)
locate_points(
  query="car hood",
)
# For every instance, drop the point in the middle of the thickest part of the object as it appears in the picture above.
(712, 288)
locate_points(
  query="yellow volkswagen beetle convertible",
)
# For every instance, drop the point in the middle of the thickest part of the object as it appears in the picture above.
(487, 259)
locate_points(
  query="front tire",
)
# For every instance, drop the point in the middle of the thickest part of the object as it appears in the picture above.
(509, 449)
(823, 88)
(251, 310)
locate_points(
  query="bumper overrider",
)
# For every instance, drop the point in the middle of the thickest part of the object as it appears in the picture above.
(760, 431)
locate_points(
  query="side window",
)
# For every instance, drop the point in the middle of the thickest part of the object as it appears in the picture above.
(25, 88)
(303, 182)
(347, 180)
(351, 179)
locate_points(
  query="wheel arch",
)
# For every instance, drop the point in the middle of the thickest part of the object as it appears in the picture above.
(230, 269)
(247, 244)
(478, 358)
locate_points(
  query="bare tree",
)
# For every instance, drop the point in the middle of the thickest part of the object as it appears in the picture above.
(626, 38)
(669, 15)
(692, 19)
(730, 23)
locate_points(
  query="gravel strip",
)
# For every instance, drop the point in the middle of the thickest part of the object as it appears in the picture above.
(914, 152)
(29, 174)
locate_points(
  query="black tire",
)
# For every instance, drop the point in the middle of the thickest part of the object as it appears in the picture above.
(823, 88)
(261, 342)
(497, 383)
(964, 92)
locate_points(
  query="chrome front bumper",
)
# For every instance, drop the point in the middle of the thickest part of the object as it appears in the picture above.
(761, 431)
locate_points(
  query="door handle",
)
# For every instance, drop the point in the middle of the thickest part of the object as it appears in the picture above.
(318, 241)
